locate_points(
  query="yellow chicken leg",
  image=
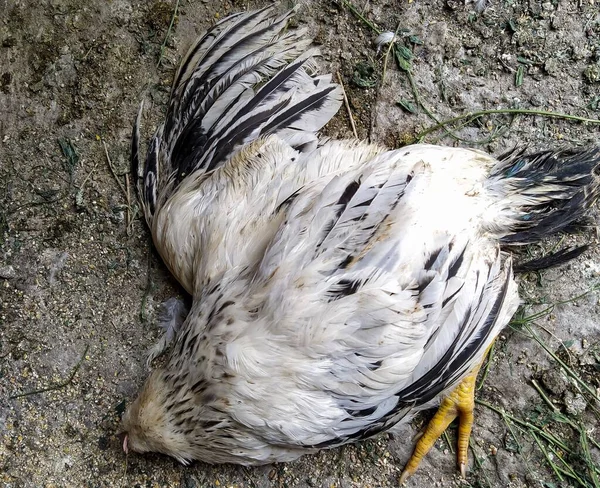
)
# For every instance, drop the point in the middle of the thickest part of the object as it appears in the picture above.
(460, 403)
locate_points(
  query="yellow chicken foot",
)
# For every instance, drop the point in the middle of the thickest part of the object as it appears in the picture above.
(460, 403)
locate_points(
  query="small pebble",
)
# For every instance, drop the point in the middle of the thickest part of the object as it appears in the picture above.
(7, 272)
(575, 403)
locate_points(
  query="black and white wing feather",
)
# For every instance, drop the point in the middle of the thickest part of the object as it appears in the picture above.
(247, 78)
(377, 315)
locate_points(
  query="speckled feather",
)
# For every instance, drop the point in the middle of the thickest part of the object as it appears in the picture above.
(337, 287)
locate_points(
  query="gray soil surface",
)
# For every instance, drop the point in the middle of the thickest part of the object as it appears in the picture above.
(80, 285)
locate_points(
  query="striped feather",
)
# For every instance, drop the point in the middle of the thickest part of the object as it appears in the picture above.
(216, 108)
(335, 290)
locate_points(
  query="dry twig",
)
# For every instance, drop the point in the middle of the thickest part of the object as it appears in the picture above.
(347, 103)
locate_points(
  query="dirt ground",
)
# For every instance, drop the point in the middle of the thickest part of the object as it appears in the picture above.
(80, 286)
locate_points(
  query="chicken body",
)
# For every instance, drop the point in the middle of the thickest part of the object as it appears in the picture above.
(338, 287)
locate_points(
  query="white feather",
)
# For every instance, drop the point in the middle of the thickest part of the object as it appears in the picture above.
(337, 287)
